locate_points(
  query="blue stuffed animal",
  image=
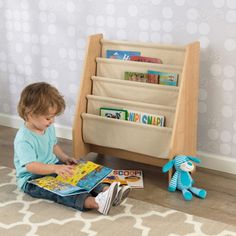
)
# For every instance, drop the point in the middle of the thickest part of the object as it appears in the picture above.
(182, 179)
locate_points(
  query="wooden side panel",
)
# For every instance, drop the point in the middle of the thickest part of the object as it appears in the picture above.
(93, 50)
(185, 124)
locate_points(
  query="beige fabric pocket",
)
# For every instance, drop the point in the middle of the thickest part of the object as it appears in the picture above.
(112, 68)
(135, 91)
(135, 137)
(96, 102)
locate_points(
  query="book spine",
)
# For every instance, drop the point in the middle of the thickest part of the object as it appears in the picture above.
(146, 118)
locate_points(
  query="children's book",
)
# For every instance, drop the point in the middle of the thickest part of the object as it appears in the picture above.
(146, 118)
(146, 59)
(165, 78)
(119, 114)
(87, 175)
(141, 77)
(121, 55)
(133, 178)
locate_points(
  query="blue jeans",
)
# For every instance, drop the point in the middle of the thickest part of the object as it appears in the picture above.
(74, 201)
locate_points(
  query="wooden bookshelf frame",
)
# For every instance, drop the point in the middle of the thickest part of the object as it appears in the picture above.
(184, 134)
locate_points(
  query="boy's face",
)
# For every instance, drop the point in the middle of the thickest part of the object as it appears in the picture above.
(39, 123)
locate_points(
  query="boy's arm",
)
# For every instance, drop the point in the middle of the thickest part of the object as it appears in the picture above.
(62, 156)
(46, 169)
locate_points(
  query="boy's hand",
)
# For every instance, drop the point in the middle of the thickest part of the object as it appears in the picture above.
(70, 161)
(64, 170)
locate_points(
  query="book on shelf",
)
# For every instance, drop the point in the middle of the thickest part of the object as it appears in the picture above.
(165, 78)
(86, 176)
(133, 178)
(114, 113)
(120, 54)
(146, 118)
(146, 59)
(141, 77)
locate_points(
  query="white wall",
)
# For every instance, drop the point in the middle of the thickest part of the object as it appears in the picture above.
(45, 41)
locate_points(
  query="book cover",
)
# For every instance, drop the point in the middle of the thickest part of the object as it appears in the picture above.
(121, 55)
(166, 78)
(120, 114)
(133, 178)
(141, 77)
(87, 175)
(146, 59)
(146, 118)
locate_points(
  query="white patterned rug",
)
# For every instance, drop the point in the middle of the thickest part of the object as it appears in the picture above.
(21, 215)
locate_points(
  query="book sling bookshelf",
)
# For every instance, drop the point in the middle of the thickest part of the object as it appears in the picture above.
(102, 85)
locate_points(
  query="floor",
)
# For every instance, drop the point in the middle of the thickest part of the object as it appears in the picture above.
(220, 204)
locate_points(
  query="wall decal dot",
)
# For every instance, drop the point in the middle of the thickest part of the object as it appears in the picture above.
(180, 2)
(90, 20)
(100, 20)
(52, 29)
(202, 107)
(229, 71)
(225, 136)
(52, 17)
(72, 65)
(27, 59)
(45, 73)
(167, 26)
(43, 17)
(110, 21)
(204, 28)
(192, 14)
(230, 44)
(133, 10)
(45, 62)
(228, 98)
(156, 2)
(227, 111)
(24, 15)
(202, 94)
(234, 139)
(191, 28)
(155, 25)
(110, 9)
(213, 134)
(231, 4)
(71, 31)
(218, 3)
(62, 52)
(3, 56)
(167, 39)
(121, 22)
(121, 34)
(231, 16)
(155, 37)
(54, 74)
(167, 12)
(143, 36)
(228, 85)
(70, 6)
(225, 149)
(216, 69)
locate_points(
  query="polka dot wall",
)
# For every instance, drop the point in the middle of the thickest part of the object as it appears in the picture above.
(45, 41)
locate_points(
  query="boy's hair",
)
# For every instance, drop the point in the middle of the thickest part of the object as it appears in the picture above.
(37, 98)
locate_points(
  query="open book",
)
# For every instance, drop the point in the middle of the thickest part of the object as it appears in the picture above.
(133, 178)
(87, 175)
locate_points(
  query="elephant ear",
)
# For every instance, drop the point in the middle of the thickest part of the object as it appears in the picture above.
(168, 166)
(194, 159)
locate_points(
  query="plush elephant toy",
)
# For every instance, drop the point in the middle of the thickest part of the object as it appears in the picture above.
(182, 179)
